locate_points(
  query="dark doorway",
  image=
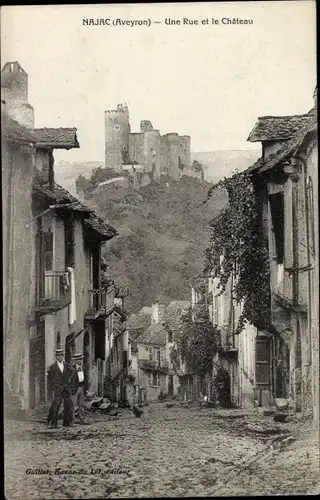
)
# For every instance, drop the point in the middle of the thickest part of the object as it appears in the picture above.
(37, 366)
(283, 370)
(170, 385)
(86, 359)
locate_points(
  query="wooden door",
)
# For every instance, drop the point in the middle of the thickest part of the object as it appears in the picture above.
(263, 363)
(37, 366)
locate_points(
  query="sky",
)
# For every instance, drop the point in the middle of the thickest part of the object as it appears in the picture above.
(209, 81)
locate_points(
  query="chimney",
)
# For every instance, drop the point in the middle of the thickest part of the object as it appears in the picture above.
(14, 91)
(157, 313)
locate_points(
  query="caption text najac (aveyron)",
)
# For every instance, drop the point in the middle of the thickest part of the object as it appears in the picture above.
(167, 21)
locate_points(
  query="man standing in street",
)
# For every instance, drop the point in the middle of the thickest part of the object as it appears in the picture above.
(78, 387)
(59, 378)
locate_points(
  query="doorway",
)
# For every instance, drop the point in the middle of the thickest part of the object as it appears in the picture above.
(37, 366)
(170, 385)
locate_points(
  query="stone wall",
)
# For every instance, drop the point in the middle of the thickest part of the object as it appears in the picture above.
(18, 264)
(136, 142)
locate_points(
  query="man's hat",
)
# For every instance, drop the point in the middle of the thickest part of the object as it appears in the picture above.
(78, 356)
(59, 351)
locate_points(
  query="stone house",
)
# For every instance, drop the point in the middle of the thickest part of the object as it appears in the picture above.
(285, 179)
(237, 352)
(178, 314)
(17, 172)
(117, 359)
(51, 259)
(150, 345)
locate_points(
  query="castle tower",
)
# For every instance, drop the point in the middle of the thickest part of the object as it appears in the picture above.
(185, 149)
(117, 131)
(14, 91)
(173, 146)
(146, 126)
(151, 149)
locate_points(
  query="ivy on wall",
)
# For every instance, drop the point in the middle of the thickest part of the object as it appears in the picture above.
(238, 247)
(196, 343)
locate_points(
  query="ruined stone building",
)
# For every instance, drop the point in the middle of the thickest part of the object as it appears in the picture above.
(146, 155)
(285, 179)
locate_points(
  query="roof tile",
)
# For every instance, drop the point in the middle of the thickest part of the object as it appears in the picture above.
(272, 160)
(155, 334)
(271, 128)
(64, 138)
(63, 197)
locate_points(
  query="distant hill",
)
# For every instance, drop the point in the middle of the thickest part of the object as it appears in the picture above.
(66, 172)
(163, 228)
(163, 231)
(219, 164)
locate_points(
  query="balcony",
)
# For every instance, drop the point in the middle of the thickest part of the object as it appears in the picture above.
(147, 365)
(53, 291)
(101, 302)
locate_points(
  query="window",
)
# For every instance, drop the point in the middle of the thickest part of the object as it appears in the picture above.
(69, 242)
(154, 379)
(158, 356)
(58, 343)
(170, 337)
(150, 354)
(48, 250)
(276, 202)
(310, 212)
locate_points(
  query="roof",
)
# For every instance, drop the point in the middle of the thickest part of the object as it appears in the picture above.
(286, 151)
(139, 321)
(155, 334)
(64, 138)
(103, 228)
(271, 128)
(62, 197)
(14, 131)
(16, 66)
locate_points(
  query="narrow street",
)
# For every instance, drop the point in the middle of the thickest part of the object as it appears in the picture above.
(173, 452)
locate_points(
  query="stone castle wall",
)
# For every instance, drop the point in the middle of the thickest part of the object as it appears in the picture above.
(168, 154)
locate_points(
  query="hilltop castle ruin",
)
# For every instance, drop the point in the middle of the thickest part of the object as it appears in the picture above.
(146, 153)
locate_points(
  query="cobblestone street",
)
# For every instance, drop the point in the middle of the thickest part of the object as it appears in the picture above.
(168, 452)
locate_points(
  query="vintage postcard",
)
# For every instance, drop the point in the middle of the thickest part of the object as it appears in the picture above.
(160, 250)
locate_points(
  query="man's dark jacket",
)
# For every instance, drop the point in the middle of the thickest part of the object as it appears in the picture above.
(59, 382)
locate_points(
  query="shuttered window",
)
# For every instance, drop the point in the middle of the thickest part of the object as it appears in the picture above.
(263, 361)
(277, 214)
(310, 212)
(48, 250)
(69, 242)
